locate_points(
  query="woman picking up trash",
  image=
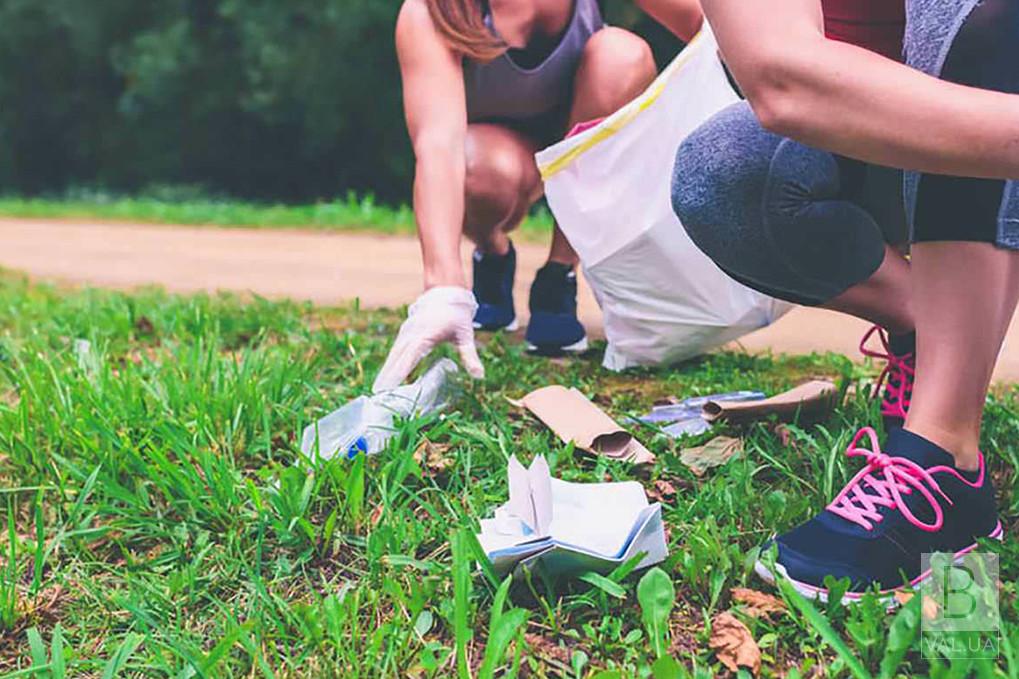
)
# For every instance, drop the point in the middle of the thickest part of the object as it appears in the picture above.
(486, 84)
(771, 192)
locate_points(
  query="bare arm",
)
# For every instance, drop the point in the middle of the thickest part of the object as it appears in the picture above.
(436, 111)
(682, 17)
(857, 103)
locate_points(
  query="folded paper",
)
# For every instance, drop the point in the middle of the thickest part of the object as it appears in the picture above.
(571, 527)
(575, 419)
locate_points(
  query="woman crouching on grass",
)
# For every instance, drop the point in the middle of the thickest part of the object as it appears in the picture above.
(776, 192)
(486, 84)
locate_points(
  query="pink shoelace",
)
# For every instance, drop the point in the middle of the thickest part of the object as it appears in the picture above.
(897, 377)
(882, 483)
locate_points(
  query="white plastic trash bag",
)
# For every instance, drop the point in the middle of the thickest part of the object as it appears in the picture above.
(609, 188)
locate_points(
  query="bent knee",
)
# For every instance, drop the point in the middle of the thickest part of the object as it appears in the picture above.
(721, 170)
(498, 173)
(618, 58)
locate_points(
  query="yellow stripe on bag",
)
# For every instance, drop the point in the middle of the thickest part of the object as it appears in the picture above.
(621, 119)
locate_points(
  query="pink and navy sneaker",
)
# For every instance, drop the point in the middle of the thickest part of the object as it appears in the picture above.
(899, 352)
(903, 504)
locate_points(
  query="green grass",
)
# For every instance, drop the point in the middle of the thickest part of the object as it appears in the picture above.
(157, 520)
(194, 208)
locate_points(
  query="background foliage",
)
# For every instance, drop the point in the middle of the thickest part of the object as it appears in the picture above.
(290, 100)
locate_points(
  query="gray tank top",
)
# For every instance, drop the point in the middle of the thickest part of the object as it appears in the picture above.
(503, 90)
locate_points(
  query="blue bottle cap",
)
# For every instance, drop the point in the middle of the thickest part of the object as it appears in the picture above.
(357, 447)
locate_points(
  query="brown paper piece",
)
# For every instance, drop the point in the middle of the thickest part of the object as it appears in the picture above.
(575, 419)
(808, 400)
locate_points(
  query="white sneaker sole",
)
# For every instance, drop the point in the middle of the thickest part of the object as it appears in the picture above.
(575, 348)
(512, 327)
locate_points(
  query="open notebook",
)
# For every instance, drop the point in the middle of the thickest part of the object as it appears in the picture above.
(571, 527)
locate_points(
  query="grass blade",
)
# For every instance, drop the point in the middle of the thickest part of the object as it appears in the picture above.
(503, 631)
(118, 661)
(824, 628)
(461, 600)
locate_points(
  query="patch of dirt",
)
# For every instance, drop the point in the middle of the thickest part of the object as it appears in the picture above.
(44, 611)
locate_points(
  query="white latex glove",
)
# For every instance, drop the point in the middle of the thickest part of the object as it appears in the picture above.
(440, 315)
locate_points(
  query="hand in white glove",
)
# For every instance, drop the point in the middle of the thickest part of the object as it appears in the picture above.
(440, 315)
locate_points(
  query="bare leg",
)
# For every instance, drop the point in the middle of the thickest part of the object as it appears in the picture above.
(502, 183)
(616, 67)
(884, 298)
(964, 296)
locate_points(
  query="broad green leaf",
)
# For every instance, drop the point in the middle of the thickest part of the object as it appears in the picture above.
(667, 668)
(656, 596)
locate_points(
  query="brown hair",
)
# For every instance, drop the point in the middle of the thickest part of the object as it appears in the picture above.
(461, 23)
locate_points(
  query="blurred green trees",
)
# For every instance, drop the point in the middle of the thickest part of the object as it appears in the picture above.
(278, 99)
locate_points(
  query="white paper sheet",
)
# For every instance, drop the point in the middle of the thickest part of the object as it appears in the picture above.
(571, 526)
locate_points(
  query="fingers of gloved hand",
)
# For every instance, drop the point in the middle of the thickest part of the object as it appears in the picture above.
(439, 315)
(407, 352)
(469, 356)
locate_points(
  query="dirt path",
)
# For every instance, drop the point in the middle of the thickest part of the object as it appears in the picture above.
(327, 268)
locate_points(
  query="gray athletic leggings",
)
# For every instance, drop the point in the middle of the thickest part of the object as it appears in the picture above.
(786, 219)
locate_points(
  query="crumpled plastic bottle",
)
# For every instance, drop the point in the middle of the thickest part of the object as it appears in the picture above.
(365, 425)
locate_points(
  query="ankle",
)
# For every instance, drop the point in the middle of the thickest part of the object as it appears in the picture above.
(499, 247)
(963, 446)
(570, 262)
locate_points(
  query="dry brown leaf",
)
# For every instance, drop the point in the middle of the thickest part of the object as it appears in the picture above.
(757, 604)
(376, 515)
(733, 644)
(432, 457)
(548, 649)
(662, 491)
(714, 453)
(929, 607)
(785, 436)
(903, 597)
(143, 326)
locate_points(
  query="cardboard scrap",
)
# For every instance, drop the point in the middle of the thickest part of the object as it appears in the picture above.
(575, 419)
(811, 400)
(733, 644)
(714, 453)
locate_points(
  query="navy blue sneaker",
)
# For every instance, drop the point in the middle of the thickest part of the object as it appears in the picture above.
(554, 328)
(899, 354)
(493, 288)
(901, 505)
